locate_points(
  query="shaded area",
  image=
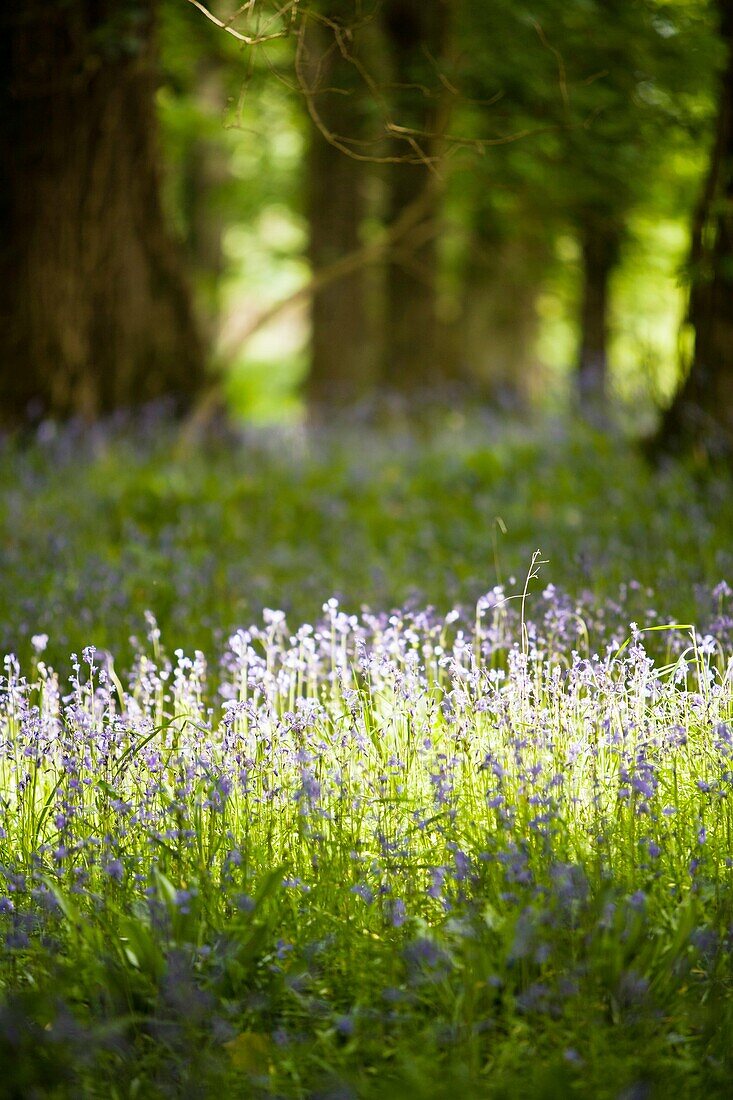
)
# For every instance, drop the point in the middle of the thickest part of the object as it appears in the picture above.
(119, 523)
(341, 203)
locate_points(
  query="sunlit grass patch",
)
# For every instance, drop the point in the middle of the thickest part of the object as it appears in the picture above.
(391, 854)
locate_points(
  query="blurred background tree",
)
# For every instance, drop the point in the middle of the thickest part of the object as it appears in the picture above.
(95, 308)
(332, 49)
(701, 414)
(519, 203)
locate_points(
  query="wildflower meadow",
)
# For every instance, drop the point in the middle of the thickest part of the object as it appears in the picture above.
(366, 550)
(470, 847)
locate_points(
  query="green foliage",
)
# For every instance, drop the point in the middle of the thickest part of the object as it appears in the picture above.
(233, 139)
(564, 119)
(204, 901)
(591, 119)
(287, 518)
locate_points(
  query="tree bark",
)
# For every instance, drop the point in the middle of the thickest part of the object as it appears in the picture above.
(205, 174)
(342, 351)
(700, 417)
(499, 324)
(600, 248)
(416, 34)
(95, 312)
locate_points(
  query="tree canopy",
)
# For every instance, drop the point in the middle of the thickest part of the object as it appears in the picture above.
(337, 200)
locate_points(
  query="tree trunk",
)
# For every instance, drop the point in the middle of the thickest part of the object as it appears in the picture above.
(341, 370)
(205, 174)
(499, 324)
(701, 415)
(95, 314)
(416, 39)
(600, 247)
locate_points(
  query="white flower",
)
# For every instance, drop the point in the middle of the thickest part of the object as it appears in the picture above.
(273, 617)
(39, 642)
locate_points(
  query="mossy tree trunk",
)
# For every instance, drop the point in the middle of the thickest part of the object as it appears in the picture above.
(499, 321)
(600, 245)
(205, 175)
(342, 346)
(95, 312)
(701, 415)
(416, 38)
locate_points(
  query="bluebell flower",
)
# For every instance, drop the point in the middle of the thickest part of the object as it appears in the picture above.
(396, 912)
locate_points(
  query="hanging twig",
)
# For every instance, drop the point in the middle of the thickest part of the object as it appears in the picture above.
(246, 39)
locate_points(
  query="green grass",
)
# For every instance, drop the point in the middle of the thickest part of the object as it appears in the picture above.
(96, 532)
(483, 849)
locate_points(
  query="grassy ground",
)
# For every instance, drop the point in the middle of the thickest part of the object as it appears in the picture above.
(97, 530)
(478, 846)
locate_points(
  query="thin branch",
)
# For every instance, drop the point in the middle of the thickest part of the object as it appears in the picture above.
(409, 220)
(414, 139)
(336, 140)
(561, 71)
(248, 40)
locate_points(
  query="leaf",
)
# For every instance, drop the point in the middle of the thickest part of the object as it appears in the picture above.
(140, 948)
(64, 902)
(165, 889)
(46, 809)
(269, 885)
(250, 1051)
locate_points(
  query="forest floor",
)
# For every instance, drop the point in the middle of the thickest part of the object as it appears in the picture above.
(318, 780)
